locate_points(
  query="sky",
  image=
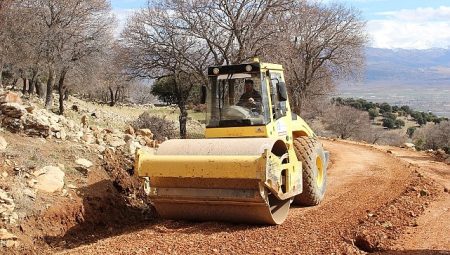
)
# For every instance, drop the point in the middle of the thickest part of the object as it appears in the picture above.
(406, 24)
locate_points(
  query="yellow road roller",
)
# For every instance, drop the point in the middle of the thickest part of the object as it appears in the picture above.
(257, 158)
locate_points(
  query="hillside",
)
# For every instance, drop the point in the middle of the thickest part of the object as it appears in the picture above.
(97, 205)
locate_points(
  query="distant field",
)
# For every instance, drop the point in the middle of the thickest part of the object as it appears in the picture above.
(434, 98)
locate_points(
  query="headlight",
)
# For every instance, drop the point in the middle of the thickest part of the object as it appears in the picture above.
(248, 68)
(216, 71)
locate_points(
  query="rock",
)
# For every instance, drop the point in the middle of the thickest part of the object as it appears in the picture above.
(3, 143)
(7, 239)
(116, 142)
(71, 186)
(84, 162)
(130, 130)
(12, 124)
(84, 121)
(30, 193)
(147, 140)
(10, 97)
(366, 242)
(13, 218)
(387, 224)
(145, 132)
(88, 138)
(13, 110)
(440, 152)
(36, 124)
(4, 174)
(4, 197)
(31, 183)
(131, 147)
(424, 192)
(49, 179)
(29, 109)
(409, 145)
(128, 138)
(101, 148)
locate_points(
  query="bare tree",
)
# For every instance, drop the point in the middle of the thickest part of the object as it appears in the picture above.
(433, 136)
(155, 47)
(347, 122)
(233, 31)
(319, 44)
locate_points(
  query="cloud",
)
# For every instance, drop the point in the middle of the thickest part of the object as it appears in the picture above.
(420, 28)
(441, 13)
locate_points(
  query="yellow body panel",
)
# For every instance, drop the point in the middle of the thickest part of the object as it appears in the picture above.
(232, 167)
(255, 131)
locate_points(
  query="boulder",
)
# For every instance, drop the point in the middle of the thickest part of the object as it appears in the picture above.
(12, 124)
(3, 143)
(14, 110)
(88, 138)
(131, 147)
(10, 97)
(84, 163)
(49, 179)
(114, 141)
(128, 138)
(409, 145)
(36, 125)
(130, 130)
(145, 132)
(7, 239)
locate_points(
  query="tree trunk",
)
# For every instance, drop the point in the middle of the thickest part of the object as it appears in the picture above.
(38, 86)
(1, 73)
(117, 95)
(50, 84)
(61, 91)
(66, 94)
(183, 120)
(31, 85)
(111, 92)
(24, 88)
(13, 85)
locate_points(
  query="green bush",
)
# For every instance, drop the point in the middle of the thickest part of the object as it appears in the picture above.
(410, 131)
(373, 113)
(389, 123)
(399, 123)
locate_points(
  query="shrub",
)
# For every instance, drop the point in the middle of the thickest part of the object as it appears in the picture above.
(410, 131)
(373, 113)
(399, 123)
(160, 126)
(385, 107)
(346, 122)
(433, 136)
(389, 123)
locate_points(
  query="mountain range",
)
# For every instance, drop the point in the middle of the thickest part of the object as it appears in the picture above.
(411, 67)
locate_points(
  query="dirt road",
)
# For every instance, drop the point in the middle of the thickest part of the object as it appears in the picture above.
(432, 232)
(361, 180)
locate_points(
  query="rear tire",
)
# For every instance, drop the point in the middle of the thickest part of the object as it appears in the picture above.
(310, 152)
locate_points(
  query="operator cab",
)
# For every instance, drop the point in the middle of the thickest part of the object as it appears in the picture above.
(237, 97)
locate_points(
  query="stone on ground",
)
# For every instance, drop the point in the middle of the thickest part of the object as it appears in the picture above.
(49, 179)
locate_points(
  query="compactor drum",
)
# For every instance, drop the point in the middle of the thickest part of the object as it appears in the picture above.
(258, 157)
